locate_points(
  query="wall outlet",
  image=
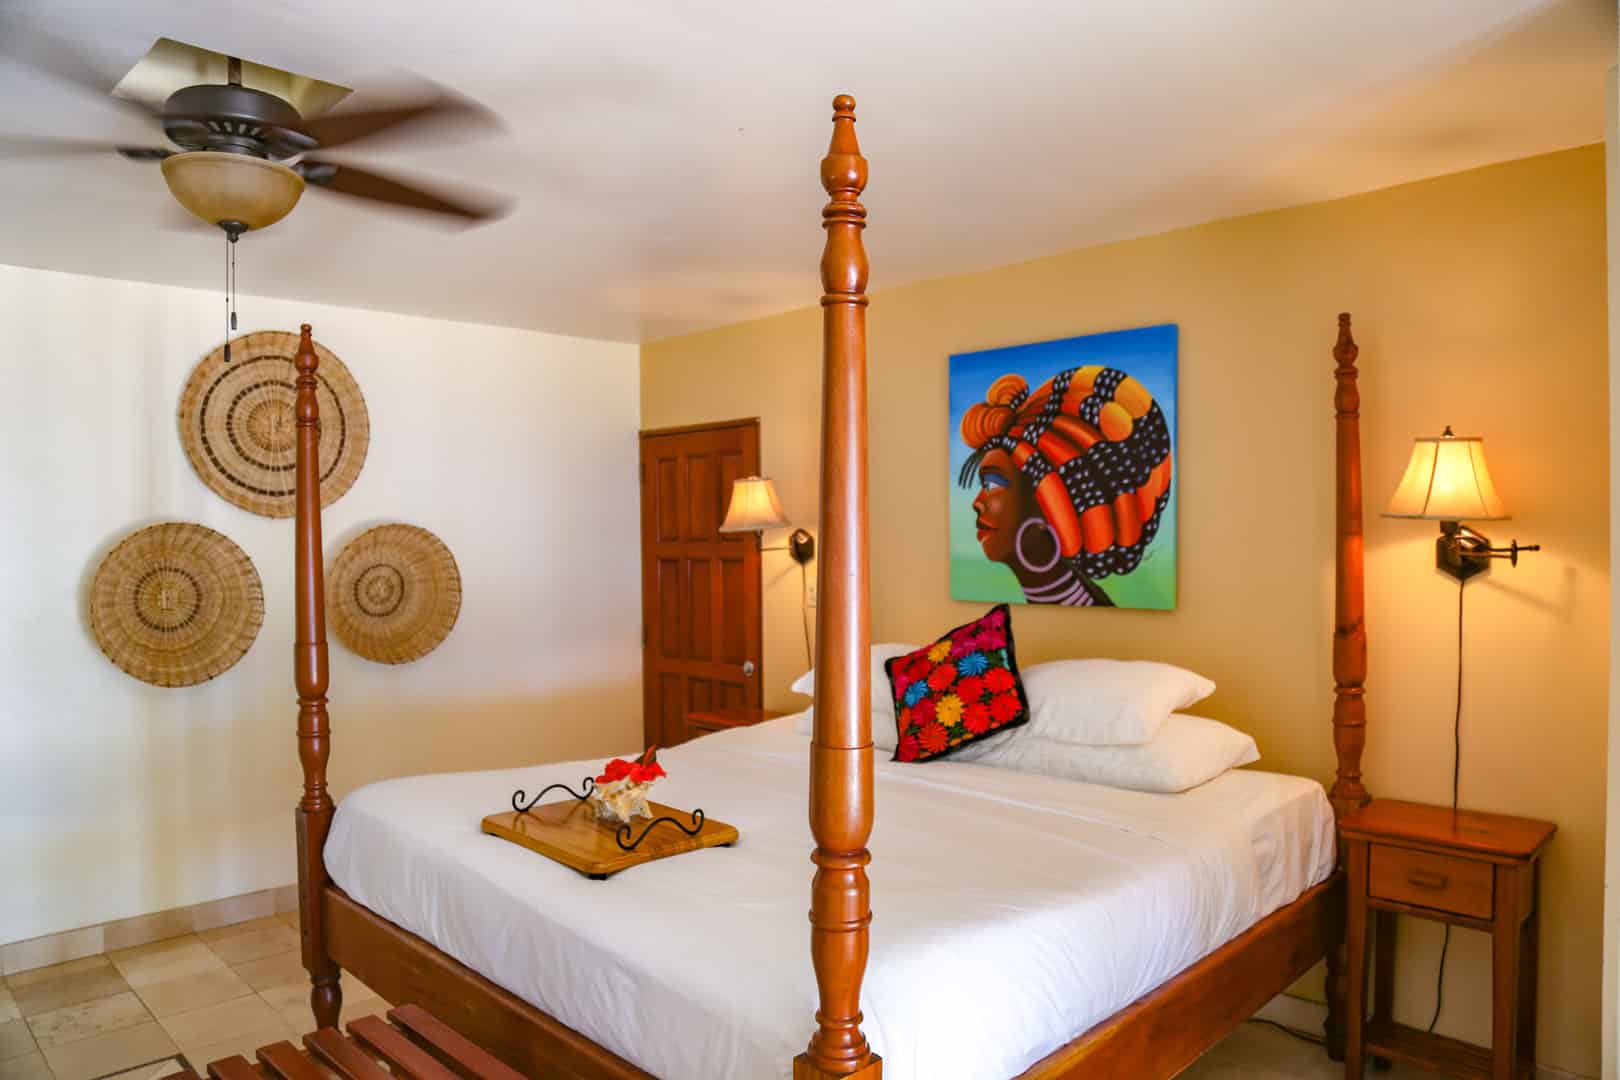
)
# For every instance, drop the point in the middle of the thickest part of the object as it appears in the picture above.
(810, 593)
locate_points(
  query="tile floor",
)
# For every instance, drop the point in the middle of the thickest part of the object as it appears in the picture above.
(135, 1014)
(138, 1014)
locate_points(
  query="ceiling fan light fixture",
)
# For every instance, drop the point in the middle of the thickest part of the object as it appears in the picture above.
(249, 192)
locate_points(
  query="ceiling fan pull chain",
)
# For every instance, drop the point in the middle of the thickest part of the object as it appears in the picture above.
(233, 283)
(228, 312)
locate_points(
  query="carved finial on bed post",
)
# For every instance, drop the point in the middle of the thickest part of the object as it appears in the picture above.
(1349, 625)
(314, 815)
(841, 748)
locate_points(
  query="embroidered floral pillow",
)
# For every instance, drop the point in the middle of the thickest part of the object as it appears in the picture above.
(962, 688)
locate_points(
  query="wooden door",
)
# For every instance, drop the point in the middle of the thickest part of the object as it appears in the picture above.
(700, 589)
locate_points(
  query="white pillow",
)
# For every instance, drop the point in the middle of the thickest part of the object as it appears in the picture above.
(885, 728)
(1107, 702)
(1188, 751)
(882, 695)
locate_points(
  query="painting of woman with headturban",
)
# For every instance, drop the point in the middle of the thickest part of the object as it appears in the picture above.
(1063, 470)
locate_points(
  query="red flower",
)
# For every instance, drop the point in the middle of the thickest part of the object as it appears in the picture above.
(922, 713)
(907, 750)
(902, 678)
(918, 668)
(933, 738)
(970, 689)
(999, 680)
(977, 717)
(942, 676)
(646, 774)
(617, 769)
(1004, 707)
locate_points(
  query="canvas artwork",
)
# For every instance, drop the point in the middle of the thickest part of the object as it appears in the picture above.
(1062, 471)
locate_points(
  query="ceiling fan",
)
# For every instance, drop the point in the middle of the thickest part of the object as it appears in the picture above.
(244, 155)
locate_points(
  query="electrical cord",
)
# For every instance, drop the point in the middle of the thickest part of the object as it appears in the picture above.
(1456, 779)
(1302, 1036)
(804, 611)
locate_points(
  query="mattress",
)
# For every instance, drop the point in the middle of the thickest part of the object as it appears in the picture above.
(1012, 911)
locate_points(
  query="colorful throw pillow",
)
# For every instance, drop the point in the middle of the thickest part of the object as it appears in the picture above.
(961, 689)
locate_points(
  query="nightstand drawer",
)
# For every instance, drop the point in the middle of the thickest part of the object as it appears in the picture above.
(1424, 879)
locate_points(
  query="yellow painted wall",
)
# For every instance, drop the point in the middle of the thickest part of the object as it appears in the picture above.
(1480, 302)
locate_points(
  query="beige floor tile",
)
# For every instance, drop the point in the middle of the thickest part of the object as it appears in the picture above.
(291, 1002)
(84, 1021)
(15, 1040)
(256, 944)
(171, 997)
(8, 1006)
(152, 1070)
(163, 961)
(56, 971)
(28, 1067)
(277, 970)
(114, 1052)
(73, 989)
(226, 1020)
(246, 1044)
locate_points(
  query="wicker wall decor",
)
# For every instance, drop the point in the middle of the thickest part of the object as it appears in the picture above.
(176, 604)
(237, 423)
(393, 593)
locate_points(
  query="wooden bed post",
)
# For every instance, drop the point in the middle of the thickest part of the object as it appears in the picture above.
(841, 747)
(1349, 623)
(314, 815)
(1349, 651)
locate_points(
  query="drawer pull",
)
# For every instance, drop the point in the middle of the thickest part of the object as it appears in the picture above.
(1426, 879)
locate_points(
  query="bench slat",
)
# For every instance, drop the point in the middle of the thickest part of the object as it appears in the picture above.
(233, 1068)
(451, 1047)
(344, 1057)
(406, 1057)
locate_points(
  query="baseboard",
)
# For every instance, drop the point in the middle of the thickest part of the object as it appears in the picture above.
(1302, 1014)
(144, 929)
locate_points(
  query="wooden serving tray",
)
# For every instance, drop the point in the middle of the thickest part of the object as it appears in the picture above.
(568, 832)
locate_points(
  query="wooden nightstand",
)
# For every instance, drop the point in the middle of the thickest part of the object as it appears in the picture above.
(1458, 867)
(705, 721)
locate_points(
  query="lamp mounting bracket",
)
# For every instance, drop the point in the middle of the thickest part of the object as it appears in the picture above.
(1463, 552)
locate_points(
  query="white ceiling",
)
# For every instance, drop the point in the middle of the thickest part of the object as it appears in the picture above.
(664, 153)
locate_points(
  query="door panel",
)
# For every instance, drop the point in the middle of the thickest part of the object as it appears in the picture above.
(701, 604)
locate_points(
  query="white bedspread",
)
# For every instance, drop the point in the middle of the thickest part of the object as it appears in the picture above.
(1012, 911)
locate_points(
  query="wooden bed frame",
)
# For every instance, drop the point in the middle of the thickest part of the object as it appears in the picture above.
(1155, 1037)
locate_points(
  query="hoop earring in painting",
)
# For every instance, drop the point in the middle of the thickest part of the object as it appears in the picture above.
(1018, 546)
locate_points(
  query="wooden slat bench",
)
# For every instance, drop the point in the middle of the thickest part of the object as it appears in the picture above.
(415, 1045)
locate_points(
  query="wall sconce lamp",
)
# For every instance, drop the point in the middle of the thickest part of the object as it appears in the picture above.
(755, 508)
(1447, 481)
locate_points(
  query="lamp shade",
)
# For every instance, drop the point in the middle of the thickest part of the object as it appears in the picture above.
(754, 506)
(1447, 480)
(238, 188)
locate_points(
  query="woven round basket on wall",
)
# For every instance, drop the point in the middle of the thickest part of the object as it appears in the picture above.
(393, 594)
(176, 604)
(238, 427)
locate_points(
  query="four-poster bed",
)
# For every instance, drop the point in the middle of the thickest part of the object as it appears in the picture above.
(1157, 1035)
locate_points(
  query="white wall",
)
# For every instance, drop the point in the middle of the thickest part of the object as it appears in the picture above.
(517, 448)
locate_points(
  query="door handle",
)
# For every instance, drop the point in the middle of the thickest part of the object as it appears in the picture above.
(748, 669)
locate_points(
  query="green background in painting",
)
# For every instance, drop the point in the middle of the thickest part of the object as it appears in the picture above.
(1149, 354)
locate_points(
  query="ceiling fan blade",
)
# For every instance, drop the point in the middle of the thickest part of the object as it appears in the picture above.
(18, 146)
(363, 184)
(33, 48)
(346, 127)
